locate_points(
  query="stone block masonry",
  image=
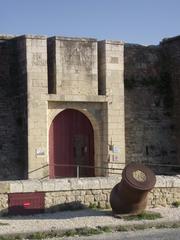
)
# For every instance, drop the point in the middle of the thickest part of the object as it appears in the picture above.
(73, 79)
(111, 84)
(129, 94)
(37, 89)
(13, 109)
(76, 65)
(149, 120)
(171, 52)
(73, 193)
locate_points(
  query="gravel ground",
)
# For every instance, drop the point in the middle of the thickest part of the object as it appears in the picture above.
(74, 219)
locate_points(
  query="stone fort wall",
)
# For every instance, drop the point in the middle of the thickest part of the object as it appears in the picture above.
(74, 193)
(151, 95)
(152, 102)
(149, 117)
(13, 110)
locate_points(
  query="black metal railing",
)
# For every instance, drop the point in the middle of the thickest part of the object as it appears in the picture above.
(77, 170)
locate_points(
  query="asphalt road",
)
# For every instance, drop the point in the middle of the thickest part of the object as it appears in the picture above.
(150, 234)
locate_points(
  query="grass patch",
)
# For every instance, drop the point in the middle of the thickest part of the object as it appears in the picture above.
(38, 235)
(70, 233)
(136, 227)
(98, 206)
(143, 216)
(86, 231)
(91, 231)
(92, 206)
(10, 238)
(95, 206)
(176, 204)
(3, 224)
(105, 229)
(123, 228)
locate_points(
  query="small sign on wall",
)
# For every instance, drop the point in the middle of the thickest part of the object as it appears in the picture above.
(115, 149)
(40, 152)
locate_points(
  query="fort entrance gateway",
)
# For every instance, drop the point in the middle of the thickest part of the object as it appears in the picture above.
(71, 145)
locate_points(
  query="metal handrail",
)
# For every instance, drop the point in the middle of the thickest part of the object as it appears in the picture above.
(78, 166)
(39, 168)
(85, 166)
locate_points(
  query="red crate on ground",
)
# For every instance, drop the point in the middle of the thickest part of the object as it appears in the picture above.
(26, 203)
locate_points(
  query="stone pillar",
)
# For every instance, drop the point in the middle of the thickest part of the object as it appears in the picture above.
(37, 89)
(111, 84)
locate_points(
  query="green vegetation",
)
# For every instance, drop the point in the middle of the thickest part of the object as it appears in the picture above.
(3, 224)
(87, 231)
(10, 238)
(68, 233)
(146, 215)
(176, 204)
(97, 206)
(149, 225)
(143, 216)
(93, 206)
(91, 231)
(38, 235)
(106, 229)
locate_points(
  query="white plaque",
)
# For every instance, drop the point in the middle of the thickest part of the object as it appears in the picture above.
(116, 149)
(40, 152)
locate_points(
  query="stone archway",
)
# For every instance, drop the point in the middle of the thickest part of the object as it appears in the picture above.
(71, 143)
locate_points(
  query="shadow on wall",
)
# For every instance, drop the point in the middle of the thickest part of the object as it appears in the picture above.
(149, 122)
(13, 112)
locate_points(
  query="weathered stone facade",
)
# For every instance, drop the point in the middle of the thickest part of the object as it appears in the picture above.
(171, 52)
(149, 122)
(40, 77)
(13, 109)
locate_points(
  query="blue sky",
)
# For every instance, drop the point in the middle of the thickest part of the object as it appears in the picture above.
(135, 21)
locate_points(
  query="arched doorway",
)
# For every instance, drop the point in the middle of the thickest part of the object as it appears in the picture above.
(71, 143)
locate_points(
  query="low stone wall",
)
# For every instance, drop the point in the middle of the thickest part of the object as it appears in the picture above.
(74, 193)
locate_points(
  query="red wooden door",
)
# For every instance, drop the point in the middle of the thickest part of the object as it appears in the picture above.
(71, 142)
